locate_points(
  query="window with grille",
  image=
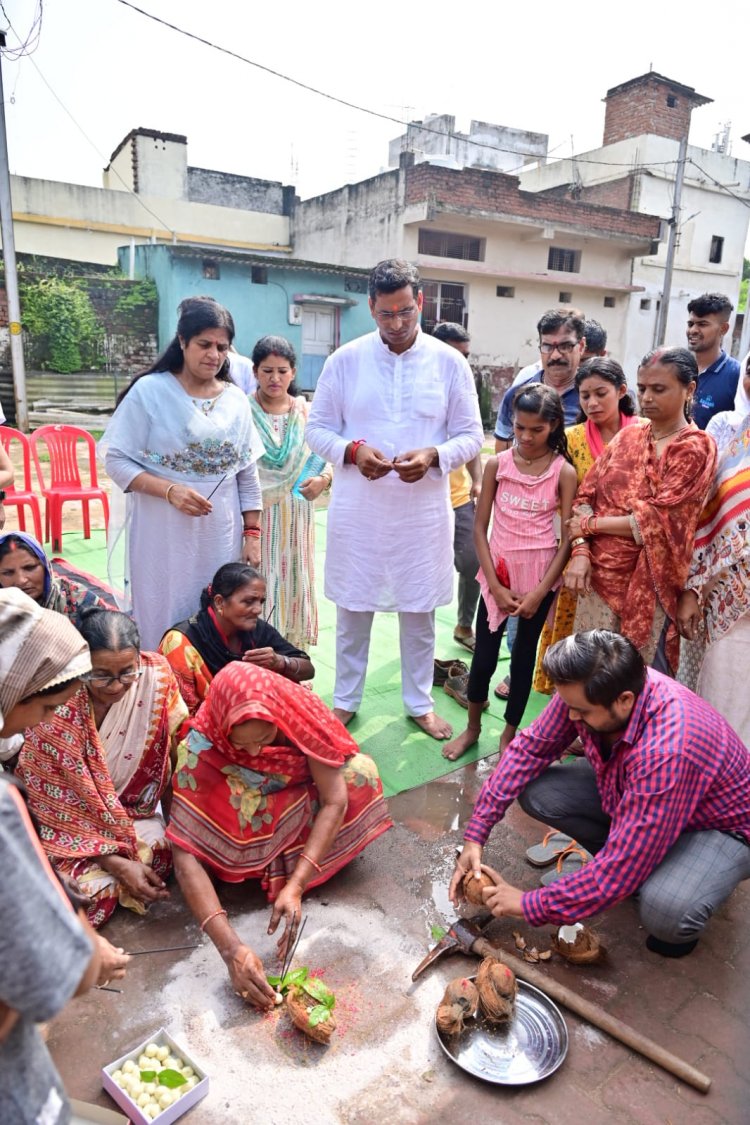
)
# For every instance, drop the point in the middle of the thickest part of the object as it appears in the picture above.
(259, 275)
(443, 244)
(565, 261)
(565, 297)
(609, 302)
(717, 249)
(211, 269)
(505, 290)
(443, 300)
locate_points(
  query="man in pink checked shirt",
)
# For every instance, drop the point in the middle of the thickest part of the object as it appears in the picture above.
(661, 797)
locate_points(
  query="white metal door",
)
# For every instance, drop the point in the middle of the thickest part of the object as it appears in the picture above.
(318, 335)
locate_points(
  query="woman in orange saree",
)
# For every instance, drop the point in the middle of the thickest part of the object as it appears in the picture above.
(269, 785)
(95, 774)
(636, 512)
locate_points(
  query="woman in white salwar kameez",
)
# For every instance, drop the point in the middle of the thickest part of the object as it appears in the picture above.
(183, 448)
(716, 602)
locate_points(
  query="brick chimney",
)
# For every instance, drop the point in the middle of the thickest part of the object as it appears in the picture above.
(650, 103)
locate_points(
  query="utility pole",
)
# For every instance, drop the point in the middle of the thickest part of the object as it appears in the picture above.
(11, 276)
(674, 222)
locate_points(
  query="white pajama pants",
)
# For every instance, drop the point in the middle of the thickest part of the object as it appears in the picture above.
(417, 644)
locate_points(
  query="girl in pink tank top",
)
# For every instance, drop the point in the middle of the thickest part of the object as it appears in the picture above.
(521, 562)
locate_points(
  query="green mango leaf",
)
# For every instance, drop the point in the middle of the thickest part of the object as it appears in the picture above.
(319, 991)
(318, 1014)
(295, 976)
(274, 981)
(437, 933)
(171, 1078)
(148, 1075)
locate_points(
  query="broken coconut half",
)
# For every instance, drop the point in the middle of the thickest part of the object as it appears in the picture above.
(578, 944)
(473, 887)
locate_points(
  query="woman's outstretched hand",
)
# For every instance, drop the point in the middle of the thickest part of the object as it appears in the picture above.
(289, 907)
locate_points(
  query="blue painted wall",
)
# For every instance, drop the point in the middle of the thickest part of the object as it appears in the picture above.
(257, 309)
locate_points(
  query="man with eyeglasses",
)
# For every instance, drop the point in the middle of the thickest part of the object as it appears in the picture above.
(562, 343)
(395, 411)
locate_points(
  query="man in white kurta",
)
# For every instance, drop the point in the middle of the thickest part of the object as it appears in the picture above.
(395, 411)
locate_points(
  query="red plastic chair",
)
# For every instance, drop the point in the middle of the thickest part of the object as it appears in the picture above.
(25, 495)
(65, 478)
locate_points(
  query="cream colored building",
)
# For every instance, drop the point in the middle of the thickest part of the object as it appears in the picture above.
(150, 194)
(635, 167)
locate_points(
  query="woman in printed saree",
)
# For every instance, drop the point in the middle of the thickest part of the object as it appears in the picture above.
(636, 512)
(182, 447)
(606, 408)
(716, 601)
(24, 564)
(96, 771)
(269, 785)
(287, 520)
(229, 626)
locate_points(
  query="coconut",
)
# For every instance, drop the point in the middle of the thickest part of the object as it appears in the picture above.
(459, 1003)
(496, 985)
(473, 887)
(299, 1006)
(578, 944)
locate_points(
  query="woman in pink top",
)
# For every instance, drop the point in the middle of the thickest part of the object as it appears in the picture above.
(521, 563)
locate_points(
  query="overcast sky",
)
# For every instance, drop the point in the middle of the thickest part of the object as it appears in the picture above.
(538, 65)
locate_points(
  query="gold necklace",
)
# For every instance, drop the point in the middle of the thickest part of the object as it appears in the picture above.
(526, 460)
(653, 435)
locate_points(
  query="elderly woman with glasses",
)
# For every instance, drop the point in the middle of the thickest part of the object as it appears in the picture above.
(97, 770)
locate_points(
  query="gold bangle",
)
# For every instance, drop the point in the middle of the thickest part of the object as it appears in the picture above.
(578, 542)
(166, 494)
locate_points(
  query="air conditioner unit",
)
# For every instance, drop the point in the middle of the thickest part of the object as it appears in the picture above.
(295, 314)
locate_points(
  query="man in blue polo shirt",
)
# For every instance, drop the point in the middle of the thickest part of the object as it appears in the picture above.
(561, 347)
(718, 373)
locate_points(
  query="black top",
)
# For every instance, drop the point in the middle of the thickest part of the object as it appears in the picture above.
(203, 635)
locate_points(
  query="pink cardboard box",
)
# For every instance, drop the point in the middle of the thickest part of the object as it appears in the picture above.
(172, 1112)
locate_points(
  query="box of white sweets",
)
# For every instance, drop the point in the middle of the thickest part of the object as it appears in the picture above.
(155, 1081)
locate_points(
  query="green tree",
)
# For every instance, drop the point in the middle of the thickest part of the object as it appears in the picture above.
(61, 322)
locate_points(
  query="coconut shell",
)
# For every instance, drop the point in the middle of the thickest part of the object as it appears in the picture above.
(299, 1005)
(473, 887)
(585, 950)
(460, 1002)
(496, 985)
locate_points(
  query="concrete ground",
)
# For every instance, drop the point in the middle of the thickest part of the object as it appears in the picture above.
(366, 932)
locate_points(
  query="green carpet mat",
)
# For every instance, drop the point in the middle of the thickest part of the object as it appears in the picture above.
(405, 756)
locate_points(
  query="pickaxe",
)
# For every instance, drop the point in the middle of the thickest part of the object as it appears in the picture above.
(467, 937)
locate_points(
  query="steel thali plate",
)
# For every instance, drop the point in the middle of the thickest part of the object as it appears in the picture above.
(529, 1047)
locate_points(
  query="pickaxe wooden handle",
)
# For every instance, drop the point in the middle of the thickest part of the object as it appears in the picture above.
(597, 1016)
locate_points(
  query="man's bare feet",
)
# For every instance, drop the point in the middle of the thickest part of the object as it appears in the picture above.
(458, 746)
(433, 725)
(507, 737)
(343, 716)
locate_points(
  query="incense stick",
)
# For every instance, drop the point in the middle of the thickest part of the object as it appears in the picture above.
(165, 949)
(217, 486)
(290, 958)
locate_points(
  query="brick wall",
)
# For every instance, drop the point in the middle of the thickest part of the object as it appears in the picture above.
(471, 190)
(125, 309)
(613, 193)
(644, 108)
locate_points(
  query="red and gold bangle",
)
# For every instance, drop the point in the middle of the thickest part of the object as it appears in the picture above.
(210, 918)
(312, 862)
(253, 532)
(353, 447)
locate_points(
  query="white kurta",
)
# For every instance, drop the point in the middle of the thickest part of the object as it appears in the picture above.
(168, 557)
(389, 544)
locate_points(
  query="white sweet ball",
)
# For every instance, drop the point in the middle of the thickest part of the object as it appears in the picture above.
(166, 1099)
(177, 1063)
(144, 1061)
(152, 1110)
(192, 1081)
(152, 1050)
(151, 1087)
(143, 1099)
(187, 1072)
(116, 1075)
(162, 1053)
(129, 1067)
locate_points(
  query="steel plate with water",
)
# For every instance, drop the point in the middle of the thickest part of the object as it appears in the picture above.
(530, 1046)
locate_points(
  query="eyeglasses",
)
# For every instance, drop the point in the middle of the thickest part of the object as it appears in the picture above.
(101, 679)
(402, 314)
(565, 348)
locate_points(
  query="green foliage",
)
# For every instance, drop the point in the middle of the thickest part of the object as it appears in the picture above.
(138, 295)
(437, 933)
(58, 315)
(742, 303)
(745, 269)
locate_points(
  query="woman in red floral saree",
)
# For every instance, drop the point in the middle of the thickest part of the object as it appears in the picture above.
(636, 512)
(95, 774)
(269, 785)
